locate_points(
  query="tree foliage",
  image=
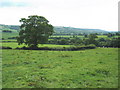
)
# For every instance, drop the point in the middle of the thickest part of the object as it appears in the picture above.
(91, 39)
(34, 30)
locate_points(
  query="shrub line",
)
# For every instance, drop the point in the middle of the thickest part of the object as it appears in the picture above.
(53, 49)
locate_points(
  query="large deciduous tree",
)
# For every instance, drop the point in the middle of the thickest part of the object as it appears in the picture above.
(34, 30)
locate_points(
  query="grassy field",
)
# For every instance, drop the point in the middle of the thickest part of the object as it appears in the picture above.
(8, 35)
(95, 68)
(15, 44)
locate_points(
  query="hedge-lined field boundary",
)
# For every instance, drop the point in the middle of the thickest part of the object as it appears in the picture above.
(54, 49)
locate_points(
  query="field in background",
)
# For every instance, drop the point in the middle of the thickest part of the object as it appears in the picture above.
(8, 35)
(15, 45)
(96, 68)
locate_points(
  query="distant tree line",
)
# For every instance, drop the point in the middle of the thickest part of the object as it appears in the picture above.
(87, 40)
(8, 31)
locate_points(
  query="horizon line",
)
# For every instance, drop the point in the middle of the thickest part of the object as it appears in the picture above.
(69, 26)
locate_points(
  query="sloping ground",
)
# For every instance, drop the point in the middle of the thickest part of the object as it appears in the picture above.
(57, 29)
(60, 29)
(9, 27)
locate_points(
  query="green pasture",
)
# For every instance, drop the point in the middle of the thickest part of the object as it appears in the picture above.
(95, 68)
(106, 37)
(13, 40)
(102, 36)
(9, 40)
(69, 36)
(15, 45)
(8, 35)
(12, 44)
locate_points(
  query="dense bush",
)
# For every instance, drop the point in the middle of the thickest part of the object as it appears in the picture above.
(12, 38)
(60, 48)
(8, 31)
(114, 42)
(3, 47)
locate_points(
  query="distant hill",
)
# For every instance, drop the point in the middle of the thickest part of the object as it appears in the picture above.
(57, 29)
(9, 27)
(60, 29)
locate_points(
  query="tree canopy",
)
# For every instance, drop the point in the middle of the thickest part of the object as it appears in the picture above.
(34, 30)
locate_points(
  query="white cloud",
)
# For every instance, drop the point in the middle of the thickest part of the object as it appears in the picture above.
(101, 14)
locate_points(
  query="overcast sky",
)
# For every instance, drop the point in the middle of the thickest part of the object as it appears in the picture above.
(93, 14)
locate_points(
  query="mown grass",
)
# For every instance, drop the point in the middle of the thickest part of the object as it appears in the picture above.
(96, 68)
